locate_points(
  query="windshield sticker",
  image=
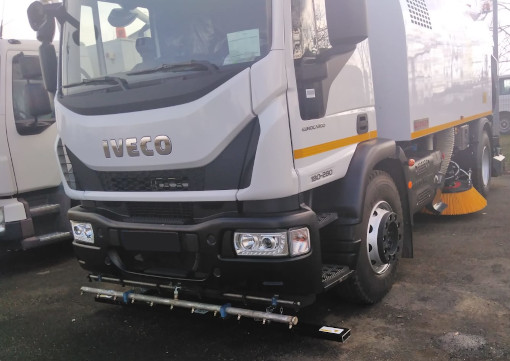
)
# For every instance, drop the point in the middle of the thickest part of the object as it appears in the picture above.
(243, 46)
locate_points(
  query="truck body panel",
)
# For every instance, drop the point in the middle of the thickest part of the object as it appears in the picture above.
(429, 69)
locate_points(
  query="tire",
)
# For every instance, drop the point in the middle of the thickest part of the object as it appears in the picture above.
(504, 122)
(482, 169)
(373, 278)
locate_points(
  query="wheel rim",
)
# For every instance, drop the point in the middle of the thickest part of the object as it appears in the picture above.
(486, 165)
(384, 233)
(505, 125)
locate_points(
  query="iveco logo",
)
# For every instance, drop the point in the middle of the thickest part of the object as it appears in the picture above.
(162, 145)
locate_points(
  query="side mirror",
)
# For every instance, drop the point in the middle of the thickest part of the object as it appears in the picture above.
(46, 31)
(49, 66)
(36, 15)
(347, 22)
(40, 22)
(120, 18)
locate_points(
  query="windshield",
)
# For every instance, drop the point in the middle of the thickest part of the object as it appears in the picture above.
(125, 44)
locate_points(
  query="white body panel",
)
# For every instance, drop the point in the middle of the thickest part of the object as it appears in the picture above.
(7, 179)
(27, 163)
(32, 155)
(328, 144)
(14, 210)
(199, 130)
(431, 70)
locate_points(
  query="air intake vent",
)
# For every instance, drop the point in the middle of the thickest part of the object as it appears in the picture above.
(419, 13)
(66, 166)
(424, 197)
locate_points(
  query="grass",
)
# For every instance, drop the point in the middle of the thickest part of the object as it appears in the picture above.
(504, 142)
(505, 145)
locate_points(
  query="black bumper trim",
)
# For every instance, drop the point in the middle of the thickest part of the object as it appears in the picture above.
(216, 265)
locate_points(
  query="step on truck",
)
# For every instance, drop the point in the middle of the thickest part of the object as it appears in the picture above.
(33, 204)
(262, 152)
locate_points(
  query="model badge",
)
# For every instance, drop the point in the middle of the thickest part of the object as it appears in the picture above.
(162, 145)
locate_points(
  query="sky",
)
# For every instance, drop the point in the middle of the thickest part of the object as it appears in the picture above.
(15, 23)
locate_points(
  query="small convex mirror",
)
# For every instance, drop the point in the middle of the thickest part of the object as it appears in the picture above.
(120, 18)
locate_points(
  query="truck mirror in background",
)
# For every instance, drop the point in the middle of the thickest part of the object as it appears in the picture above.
(46, 31)
(120, 17)
(347, 23)
(44, 25)
(49, 66)
(36, 15)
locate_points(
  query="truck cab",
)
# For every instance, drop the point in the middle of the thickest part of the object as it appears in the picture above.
(33, 205)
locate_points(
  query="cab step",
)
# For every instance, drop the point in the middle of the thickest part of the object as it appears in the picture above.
(44, 209)
(334, 274)
(49, 238)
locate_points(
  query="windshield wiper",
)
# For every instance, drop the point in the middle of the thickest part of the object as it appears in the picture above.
(104, 80)
(192, 65)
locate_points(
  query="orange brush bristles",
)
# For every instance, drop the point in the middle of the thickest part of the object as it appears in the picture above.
(466, 202)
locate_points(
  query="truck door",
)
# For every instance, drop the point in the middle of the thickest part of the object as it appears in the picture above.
(330, 96)
(31, 136)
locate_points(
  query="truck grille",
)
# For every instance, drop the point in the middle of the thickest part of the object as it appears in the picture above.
(419, 13)
(66, 166)
(146, 212)
(160, 210)
(150, 181)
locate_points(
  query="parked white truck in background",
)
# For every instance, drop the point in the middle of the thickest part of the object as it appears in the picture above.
(504, 103)
(263, 151)
(33, 205)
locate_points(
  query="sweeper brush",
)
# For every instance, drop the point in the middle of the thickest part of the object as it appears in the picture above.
(462, 198)
(459, 193)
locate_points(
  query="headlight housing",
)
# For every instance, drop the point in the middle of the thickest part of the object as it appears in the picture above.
(267, 244)
(83, 232)
(292, 242)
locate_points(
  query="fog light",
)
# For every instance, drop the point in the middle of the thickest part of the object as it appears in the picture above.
(2, 220)
(82, 232)
(272, 244)
(299, 241)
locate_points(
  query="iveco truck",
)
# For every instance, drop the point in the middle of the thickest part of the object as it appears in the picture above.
(261, 152)
(33, 205)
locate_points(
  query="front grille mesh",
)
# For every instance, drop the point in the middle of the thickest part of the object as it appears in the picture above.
(66, 166)
(148, 181)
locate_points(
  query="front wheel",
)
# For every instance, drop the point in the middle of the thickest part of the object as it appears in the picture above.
(482, 170)
(381, 232)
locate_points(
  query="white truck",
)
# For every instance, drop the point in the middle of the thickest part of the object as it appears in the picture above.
(263, 151)
(504, 103)
(33, 205)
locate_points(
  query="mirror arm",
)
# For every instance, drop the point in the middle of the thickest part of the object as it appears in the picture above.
(59, 12)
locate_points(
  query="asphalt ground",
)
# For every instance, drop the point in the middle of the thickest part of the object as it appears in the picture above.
(451, 302)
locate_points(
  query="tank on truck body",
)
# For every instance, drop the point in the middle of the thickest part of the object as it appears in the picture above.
(265, 150)
(33, 206)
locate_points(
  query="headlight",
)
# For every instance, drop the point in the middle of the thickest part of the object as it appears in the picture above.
(83, 232)
(270, 244)
(2, 220)
(299, 240)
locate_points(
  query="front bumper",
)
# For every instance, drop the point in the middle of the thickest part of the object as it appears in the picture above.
(201, 256)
